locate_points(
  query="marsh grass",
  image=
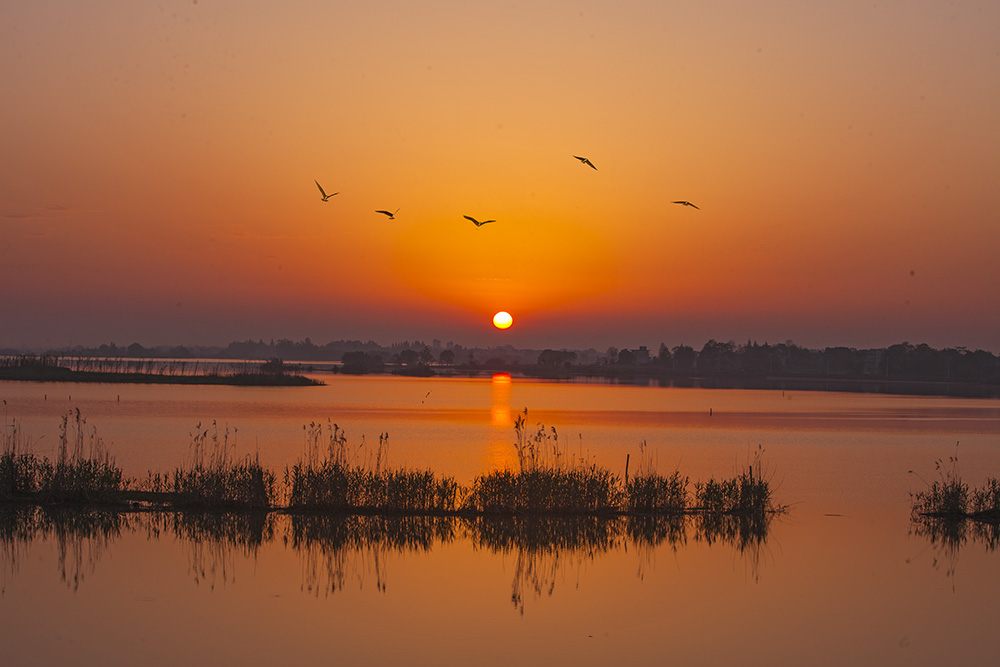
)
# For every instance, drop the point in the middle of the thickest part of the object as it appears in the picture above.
(83, 469)
(336, 476)
(749, 492)
(949, 496)
(214, 478)
(649, 492)
(553, 481)
(549, 480)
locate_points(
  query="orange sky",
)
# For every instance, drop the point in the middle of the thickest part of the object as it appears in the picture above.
(158, 165)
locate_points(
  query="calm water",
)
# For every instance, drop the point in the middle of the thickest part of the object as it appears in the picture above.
(843, 578)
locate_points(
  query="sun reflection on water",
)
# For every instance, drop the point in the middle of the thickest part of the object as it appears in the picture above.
(500, 386)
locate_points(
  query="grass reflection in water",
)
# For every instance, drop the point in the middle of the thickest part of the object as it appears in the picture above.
(335, 550)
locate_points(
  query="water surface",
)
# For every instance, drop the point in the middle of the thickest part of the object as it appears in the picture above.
(843, 577)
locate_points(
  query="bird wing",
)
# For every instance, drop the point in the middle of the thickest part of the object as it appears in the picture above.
(320, 187)
(385, 213)
(469, 217)
(486, 222)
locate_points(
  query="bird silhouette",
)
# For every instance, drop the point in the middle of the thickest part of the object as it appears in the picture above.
(476, 222)
(392, 216)
(326, 197)
(686, 203)
(585, 161)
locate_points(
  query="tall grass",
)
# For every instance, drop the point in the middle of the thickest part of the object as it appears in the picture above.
(213, 477)
(650, 492)
(83, 469)
(549, 480)
(333, 475)
(747, 493)
(949, 496)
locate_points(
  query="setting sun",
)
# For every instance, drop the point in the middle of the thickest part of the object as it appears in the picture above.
(502, 320)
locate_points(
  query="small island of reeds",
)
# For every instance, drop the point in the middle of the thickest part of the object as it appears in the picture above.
(273, 373)
(951, 498)
(333, 476)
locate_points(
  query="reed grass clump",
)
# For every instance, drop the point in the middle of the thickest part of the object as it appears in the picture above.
(951, 497)
(83, 470)
(213, 478)
(650, 492)
(747, 493)
(20, 470)
(335, 476)
(986, 500)
(549, 480)
(654, 493)
(585, 490)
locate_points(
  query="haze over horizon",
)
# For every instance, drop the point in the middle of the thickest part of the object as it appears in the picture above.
(159, 164)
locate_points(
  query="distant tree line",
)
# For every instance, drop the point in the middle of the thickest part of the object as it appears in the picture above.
(900, 361)
(903, 361)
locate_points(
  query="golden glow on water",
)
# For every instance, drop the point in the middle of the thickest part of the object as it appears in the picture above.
(500, 389)
(839, 460)
(499, 452)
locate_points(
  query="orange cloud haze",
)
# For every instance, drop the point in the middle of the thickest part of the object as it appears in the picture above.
(157, 179)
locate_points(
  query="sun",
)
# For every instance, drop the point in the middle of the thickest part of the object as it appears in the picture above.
(502, 320)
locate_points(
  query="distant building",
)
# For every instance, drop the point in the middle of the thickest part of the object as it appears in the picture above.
(640, 356)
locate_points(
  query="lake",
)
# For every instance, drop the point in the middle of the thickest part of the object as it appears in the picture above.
(842, 577)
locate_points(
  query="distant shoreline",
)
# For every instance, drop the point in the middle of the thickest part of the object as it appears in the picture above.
(59, 374)
(845, 383)
(304, 373)
(861, 385)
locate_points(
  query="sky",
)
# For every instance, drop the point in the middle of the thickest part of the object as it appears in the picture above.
(158, 164)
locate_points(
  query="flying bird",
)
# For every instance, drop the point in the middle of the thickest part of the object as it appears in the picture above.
(686, 203)
(585, 161)
(326, 197)
(476, 222)
(392, 216)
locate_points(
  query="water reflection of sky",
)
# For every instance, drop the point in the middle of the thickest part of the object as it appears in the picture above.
(383, 590)
(335, 549)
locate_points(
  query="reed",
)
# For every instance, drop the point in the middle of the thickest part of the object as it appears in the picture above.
(333, 475)
(213, 478)
(654, 493)
(949, 496)
(986, 500)
(83, 471)
(749, 492)
(649, 492)
(549, 480)
(586, 490)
